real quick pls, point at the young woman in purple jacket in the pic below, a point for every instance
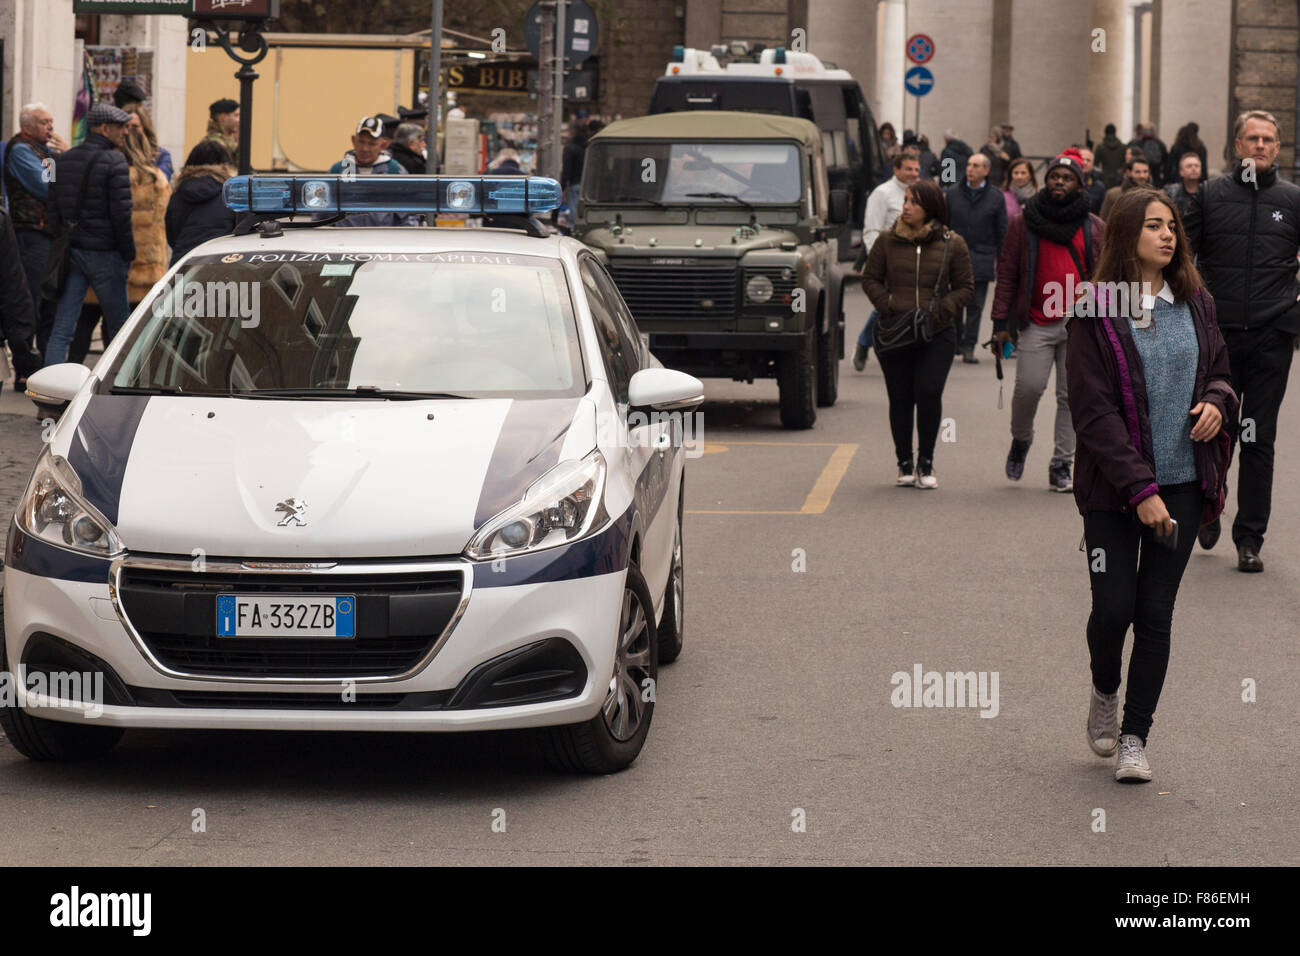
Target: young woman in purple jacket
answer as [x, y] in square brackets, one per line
[1152, 404]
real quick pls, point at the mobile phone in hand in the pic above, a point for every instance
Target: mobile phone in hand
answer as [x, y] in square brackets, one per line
[1170, 540]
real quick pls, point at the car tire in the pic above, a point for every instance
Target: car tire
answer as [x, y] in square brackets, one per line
[796, 377]
[828, 365]
[670, 624]
[611, 740]
[50, 740]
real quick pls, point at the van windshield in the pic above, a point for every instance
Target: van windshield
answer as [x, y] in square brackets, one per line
[692, 173]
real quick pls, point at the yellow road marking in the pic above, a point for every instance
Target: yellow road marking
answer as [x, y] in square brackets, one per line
[823, 489]
[828, 480]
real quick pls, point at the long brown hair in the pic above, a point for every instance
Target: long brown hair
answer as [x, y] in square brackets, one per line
[146, 123]
[1118, 261]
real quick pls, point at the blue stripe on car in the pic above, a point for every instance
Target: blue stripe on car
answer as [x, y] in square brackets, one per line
[34, 556]
[602, 553]
[101, 447]
[528, 446]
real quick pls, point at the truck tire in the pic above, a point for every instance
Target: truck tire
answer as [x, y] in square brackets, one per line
[828, 364]
[796, 377]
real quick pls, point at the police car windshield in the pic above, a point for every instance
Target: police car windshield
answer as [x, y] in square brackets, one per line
[383, 325]
[692, 173]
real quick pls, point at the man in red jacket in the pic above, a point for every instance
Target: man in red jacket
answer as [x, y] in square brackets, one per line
[1051, 247]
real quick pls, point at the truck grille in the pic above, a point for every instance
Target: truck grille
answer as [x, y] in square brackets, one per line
[782, 288]
[678, 292]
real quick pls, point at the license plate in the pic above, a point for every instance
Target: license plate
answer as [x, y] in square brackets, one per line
[286, 615]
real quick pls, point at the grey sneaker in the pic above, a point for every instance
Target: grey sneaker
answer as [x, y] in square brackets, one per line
[860, 354]
[1103, 723]
[1058, 476]
[1016, 459]
[1131, 764]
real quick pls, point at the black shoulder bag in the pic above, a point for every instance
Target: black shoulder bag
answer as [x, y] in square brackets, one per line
[915, 326]
[56, 268]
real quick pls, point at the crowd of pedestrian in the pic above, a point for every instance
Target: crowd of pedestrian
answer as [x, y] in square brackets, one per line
[1170, 317]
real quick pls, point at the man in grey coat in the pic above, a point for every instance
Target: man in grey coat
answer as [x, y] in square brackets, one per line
[977, 213]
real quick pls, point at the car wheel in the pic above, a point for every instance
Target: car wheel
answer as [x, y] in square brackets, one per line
[612, 739]
[670, 625]
[796, 377]
[39, 739]
[828, 366]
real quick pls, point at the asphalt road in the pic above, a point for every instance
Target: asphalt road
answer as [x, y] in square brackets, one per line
[781, 701]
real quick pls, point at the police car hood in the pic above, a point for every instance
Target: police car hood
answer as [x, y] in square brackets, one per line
[320, 479]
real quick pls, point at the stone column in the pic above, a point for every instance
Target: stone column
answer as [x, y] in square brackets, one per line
[962, 68]
[1195, 56]
[40, 61]
[890, 59]
[843, 32]
[1106, 90]
[1050, 59]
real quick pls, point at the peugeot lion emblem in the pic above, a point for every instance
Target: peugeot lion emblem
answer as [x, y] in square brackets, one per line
[294, 511]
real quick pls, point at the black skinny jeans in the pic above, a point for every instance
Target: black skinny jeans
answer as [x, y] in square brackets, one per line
[1137, 587]
[914, 378]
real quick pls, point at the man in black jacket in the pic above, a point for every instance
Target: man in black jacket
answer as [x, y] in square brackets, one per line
[101, 244]
[977, 213]
[1245, 230]
[17, 314]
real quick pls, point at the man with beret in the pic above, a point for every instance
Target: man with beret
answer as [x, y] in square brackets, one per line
[101, 247]
[223, 124]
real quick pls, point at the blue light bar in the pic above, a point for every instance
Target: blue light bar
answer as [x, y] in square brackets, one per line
[307, 195]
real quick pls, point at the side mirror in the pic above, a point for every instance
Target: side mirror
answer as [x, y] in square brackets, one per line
[664, 390]
[839, 211]
[56, 384]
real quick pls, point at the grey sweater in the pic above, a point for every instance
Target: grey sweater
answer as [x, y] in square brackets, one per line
[1169, 351]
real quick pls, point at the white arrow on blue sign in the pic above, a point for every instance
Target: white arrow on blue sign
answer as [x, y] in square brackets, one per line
[918, 81]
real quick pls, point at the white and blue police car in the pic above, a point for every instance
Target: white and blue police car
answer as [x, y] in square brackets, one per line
[357, 479]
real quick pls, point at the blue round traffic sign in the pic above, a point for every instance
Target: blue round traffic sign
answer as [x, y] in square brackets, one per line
[920, 48]
[918, 81]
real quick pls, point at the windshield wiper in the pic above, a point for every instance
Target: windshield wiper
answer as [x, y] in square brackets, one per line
[360, 391]
[645, 199]
[146, 390]
[732, 196]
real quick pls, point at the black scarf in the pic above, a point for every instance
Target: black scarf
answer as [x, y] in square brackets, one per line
[1057, 221]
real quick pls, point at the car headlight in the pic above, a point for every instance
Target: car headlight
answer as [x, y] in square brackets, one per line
[54, 510]
[561, 506]
[758, 289]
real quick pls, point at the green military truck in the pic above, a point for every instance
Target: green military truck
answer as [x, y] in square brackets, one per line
[720, 231]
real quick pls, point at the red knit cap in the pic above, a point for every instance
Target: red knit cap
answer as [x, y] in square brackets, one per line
[1071, 159]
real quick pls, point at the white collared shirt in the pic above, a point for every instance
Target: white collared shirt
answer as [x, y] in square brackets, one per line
[1149, 301]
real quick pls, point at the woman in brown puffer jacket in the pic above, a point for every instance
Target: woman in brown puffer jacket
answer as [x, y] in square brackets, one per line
[902, 272]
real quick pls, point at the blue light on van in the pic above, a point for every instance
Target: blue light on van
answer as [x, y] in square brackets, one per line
[679, 54]
[286, 195]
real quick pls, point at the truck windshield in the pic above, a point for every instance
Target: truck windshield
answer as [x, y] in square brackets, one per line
[658, 172]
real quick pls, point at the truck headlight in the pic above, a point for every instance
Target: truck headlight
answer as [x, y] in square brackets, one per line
[561, 506]
[54, 510]
[758, 289]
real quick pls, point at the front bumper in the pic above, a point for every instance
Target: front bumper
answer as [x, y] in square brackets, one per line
[444, 693]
